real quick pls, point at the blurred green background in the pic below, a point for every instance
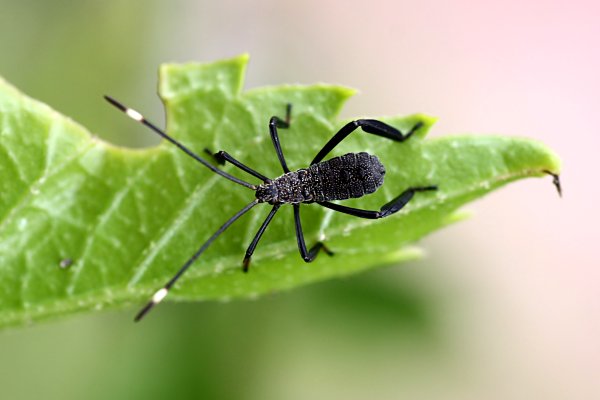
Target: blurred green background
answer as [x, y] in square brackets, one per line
[504, 306]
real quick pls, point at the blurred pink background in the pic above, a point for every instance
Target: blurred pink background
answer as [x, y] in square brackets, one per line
[519, 282]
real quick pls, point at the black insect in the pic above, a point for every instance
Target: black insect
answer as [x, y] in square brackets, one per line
[352, 175]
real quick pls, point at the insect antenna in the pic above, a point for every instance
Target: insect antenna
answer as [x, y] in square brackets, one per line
[133, 114]
[162, 292]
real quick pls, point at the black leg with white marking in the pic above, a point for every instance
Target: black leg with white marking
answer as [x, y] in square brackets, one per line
[307, 255]
[140, 118]
[275, 123]
[162, 293]
[368, 125]
[388, 209]
[261, 230]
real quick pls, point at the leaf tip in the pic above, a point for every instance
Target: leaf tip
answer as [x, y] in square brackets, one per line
[550, 164]
[226, 76]
[555, 181]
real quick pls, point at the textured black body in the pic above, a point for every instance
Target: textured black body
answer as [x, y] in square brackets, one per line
[352, 175]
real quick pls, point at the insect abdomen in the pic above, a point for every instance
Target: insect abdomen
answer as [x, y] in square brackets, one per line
[349, 176]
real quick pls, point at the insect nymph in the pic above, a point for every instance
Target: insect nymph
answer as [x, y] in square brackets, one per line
[351, 175]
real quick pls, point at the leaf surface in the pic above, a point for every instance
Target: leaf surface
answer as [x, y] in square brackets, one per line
[129, 218]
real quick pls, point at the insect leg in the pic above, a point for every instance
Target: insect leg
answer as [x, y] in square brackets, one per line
[275, 123]
[222, 156]
[261, 230]
[369, 126]
[162, 293]
[388, 209]
[307, 255]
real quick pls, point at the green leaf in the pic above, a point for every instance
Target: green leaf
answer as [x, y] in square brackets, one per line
[128, 219]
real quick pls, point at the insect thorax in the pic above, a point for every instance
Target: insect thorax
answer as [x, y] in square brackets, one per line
[349, 176]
